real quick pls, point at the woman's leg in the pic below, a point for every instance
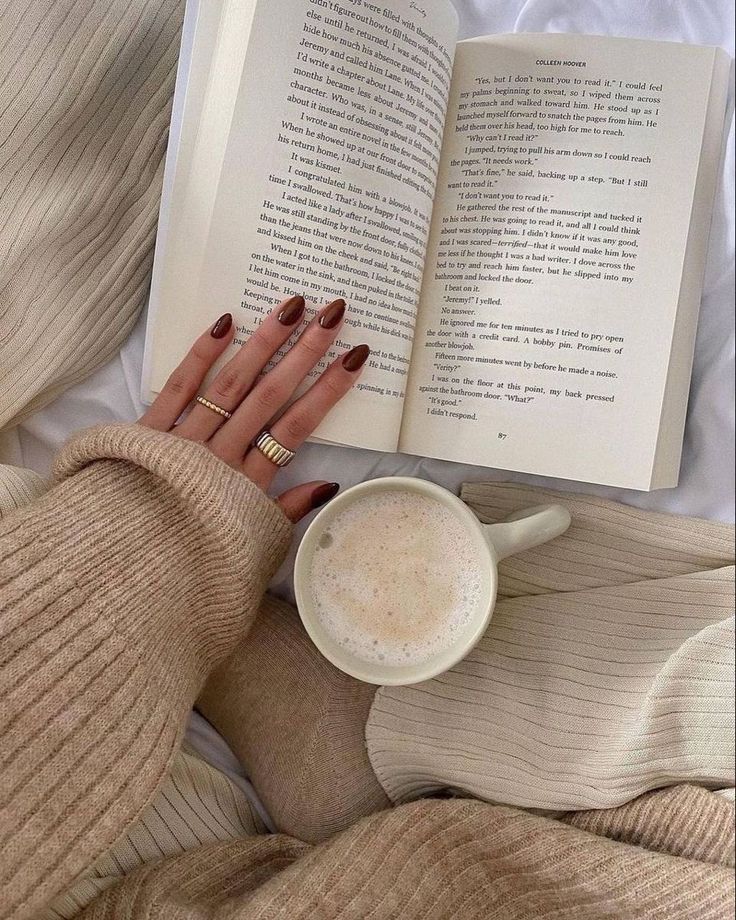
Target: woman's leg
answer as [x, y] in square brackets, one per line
[297, 724]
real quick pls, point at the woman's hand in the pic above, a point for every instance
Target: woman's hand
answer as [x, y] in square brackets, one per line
[254, 399]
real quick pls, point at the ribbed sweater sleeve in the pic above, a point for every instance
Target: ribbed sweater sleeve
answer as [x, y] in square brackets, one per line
[119, 591]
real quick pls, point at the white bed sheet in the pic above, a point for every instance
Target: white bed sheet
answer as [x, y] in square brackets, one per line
[707, 482]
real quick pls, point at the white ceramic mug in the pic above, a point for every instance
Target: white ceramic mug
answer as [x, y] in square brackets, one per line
[494, 542]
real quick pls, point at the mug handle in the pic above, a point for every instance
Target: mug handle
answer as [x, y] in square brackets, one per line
[526, 529]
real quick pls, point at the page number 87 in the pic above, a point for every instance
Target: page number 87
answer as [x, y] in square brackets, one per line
[502, 436]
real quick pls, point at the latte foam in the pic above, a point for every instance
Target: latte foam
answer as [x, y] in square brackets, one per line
[396, 578]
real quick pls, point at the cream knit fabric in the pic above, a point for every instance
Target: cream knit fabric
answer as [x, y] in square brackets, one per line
[85, 98]
[18, 487]
[85, 93]
[607, 670]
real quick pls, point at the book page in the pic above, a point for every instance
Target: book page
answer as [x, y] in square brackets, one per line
[674, 411]
[325, 189]
[555, 261]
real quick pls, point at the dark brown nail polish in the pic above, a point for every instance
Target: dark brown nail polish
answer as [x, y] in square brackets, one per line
[332, 315]
[324, 494]
[222, 326]
[292, 311]
[355, 359]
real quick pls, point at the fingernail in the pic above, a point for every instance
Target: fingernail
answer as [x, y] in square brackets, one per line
[332, 315]
[292, 311]
[222, 326]
[355, 359]
[324, 494]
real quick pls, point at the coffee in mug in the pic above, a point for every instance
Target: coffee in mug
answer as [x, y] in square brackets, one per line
[396, 579]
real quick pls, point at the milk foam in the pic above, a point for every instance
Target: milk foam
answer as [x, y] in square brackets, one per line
[396, 578]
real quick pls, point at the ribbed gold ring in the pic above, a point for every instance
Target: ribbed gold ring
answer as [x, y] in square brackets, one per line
[271, 449]
[213, 407]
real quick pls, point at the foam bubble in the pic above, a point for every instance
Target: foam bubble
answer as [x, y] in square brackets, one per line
[396, 578]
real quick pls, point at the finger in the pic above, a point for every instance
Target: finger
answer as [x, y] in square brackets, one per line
[302, 418]
[276, 388]
[298, 503]
[184, 383]
[240, 373]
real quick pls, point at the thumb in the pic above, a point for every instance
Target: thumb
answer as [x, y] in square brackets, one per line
[297, 503]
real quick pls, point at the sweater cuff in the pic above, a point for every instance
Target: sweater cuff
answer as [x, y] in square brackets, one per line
[203, 481]
[186, 544]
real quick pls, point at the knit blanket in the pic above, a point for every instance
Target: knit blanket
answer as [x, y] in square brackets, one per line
[85, 104]
[607, 669]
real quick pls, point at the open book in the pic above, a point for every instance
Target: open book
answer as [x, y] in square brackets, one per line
[519, 223]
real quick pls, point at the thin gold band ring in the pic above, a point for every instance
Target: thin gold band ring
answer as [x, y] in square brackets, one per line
[213, 407]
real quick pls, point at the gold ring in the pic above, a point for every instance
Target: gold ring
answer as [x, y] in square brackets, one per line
[214, 408]
[271, 449]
